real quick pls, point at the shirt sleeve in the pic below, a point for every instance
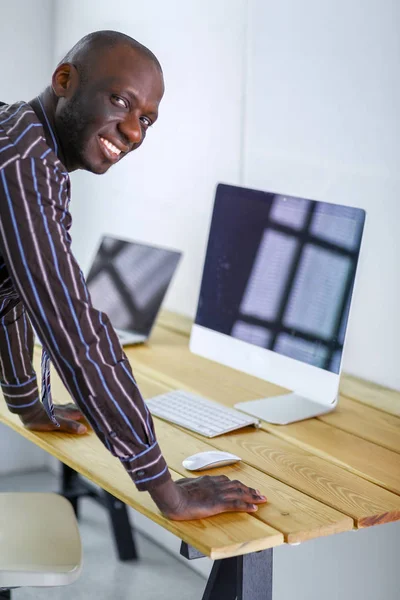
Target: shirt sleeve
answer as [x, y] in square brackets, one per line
[17, 376]
[85, 350]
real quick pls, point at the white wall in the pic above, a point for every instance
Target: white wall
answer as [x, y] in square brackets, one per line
[322, 121]
[27, 48]
[25, 65]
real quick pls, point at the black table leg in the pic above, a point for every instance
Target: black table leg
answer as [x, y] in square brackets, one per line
[70, 487]
[123, 537]
[73, 487]
[254, 576]
[221, 584]
[247, 577]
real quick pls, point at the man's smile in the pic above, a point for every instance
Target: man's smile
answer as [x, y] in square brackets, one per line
[109, 149]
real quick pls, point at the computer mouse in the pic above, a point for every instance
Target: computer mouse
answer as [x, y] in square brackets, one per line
[209, 460]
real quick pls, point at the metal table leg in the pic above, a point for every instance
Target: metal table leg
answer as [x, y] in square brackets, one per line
[122, 529]
[71, 488]
[221, 584]
[247, 577]
[254, 576]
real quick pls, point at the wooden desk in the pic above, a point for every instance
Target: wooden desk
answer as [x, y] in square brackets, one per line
[322, 476]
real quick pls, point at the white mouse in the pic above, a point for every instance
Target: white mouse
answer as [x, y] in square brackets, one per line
[209, 460]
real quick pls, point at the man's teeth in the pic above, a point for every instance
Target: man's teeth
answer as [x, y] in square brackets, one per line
[111, 146]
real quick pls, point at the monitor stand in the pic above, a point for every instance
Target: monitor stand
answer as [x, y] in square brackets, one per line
[282, 410]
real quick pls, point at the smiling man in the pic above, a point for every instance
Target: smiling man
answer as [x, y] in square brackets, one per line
[103, 98]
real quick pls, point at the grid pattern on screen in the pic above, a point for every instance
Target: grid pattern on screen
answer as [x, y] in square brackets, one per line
[310, 246]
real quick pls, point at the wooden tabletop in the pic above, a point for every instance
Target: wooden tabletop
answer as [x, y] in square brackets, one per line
[322, 476]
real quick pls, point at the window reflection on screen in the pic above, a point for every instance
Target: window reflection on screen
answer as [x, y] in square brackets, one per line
[128, 282]
[279, 273]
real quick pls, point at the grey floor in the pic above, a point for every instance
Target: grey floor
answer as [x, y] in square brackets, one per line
[157, 575]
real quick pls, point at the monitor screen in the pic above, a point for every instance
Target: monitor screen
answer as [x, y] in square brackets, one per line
[279, 273]
[128, 282]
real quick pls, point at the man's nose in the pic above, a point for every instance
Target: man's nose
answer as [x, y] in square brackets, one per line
[131, 129]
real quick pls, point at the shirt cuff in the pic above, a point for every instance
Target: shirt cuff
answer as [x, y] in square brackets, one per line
[21, 397]
[147, 469]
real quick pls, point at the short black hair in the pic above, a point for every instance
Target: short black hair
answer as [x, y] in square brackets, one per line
[86, 50]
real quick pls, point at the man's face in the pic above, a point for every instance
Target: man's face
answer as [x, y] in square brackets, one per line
[107, 116]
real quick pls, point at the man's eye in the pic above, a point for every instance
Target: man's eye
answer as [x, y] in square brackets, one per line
[146, 121]
[120, 101]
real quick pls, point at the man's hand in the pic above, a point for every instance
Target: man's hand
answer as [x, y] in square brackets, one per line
[205, 496]
[68, 415]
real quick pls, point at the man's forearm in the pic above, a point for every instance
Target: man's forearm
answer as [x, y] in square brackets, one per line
[17, 377]
[166, 496]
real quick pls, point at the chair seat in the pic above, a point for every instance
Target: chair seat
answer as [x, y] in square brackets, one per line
[39, 541]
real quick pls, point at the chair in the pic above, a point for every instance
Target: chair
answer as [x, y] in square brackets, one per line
[40, 544]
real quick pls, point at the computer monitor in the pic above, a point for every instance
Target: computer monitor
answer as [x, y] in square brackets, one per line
[276, 293]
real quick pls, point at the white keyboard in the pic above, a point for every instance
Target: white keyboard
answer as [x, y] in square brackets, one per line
[197, 413]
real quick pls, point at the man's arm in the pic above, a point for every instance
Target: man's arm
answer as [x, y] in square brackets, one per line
[18, 378]
[83, 346]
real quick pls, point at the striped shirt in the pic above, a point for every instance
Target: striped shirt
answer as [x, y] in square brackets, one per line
[41, 283]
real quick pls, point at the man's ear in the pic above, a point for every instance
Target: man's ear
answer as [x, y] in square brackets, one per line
[65, 80]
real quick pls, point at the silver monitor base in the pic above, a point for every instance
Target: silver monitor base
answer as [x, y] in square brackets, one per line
[282, 410]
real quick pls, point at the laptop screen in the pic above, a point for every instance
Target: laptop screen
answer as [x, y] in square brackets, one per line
[128, 282]
[279, 273]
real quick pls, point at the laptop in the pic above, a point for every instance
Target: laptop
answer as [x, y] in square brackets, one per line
[128, 281]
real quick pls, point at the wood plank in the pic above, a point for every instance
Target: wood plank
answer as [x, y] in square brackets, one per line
[175, 322]
[372, 394]
[296, 515]
[289, 511]
[365, 422]
[366, 503]
[217, 537]
[368, 460]
[173, 364]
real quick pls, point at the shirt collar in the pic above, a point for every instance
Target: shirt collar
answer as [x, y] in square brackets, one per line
[50, 135]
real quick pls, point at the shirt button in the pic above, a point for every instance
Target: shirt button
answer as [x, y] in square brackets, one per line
[141, 473]
[113, 434]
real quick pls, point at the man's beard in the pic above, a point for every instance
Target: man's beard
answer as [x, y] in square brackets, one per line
[72, 122]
